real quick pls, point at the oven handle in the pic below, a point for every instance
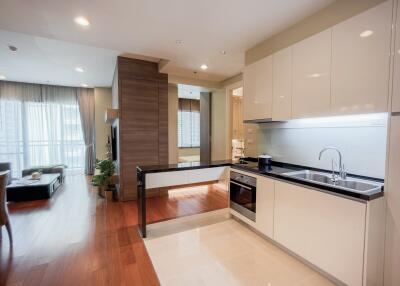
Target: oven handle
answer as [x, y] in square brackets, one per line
[246, 187]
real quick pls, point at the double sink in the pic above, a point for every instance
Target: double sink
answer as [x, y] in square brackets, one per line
[348, 184]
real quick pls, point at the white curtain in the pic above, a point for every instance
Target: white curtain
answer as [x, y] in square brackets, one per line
[40, 125]
[86, 109]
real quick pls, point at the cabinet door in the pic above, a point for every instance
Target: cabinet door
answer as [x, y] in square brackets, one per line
[312, 76]
[282, 85]
[396, 74]
[257, 91]
[326, 230]
[392, 194]
[265, 206]
[360, 62]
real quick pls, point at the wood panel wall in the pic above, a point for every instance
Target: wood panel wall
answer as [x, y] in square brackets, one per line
[142, 96]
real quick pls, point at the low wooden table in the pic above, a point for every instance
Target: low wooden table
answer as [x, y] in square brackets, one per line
[26, 189]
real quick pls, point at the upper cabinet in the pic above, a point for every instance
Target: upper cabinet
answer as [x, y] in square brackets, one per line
[342, 70]
[282, 85]
[396, 75]
[311, 76]
[257, 98]
[360, 62]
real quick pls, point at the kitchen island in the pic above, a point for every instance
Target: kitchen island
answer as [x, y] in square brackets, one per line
[159, 176]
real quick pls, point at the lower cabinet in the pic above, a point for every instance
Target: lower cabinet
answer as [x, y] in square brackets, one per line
[265, 206]
[326, 230]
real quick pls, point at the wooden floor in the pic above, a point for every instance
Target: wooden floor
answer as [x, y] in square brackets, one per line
[77, 238]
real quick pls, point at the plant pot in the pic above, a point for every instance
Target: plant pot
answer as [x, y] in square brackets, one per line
[109, 194]
[101, 191]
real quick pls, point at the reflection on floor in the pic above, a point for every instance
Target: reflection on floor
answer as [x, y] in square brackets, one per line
[226, 253]
[75, 238]
[186, 201]
[78, 238]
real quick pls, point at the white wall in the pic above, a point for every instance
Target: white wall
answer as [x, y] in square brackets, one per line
[362, 140]
[102, 101]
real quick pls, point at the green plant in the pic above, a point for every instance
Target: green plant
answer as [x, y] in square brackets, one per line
[107, 169]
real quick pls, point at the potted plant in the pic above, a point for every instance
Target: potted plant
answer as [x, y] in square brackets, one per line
[103, 180]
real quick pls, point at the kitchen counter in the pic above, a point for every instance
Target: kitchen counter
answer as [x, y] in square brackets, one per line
[156, 176]
[278, 169]
[183, 166]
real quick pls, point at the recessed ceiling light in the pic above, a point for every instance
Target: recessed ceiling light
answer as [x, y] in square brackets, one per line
[84, 85]
[79, 69]
[204, 67]
[82, 21]
[2, 77]
[366, 33]
[223, 53]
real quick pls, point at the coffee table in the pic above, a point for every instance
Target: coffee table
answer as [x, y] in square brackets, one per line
[26, 189]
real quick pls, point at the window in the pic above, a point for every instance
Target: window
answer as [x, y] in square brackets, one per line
[189, 123]
[38, 129]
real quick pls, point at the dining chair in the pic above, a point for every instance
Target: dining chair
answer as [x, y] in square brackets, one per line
[4, 219]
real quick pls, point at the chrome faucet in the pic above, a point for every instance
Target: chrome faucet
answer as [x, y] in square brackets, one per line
[342, 172]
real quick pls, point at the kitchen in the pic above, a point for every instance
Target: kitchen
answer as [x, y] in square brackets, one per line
[320, 130]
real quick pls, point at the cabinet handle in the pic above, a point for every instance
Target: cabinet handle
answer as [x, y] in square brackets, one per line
[246, 187]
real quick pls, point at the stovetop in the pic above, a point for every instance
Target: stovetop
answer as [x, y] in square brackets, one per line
[251, 165]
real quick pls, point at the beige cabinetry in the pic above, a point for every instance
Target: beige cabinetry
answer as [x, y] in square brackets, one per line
[257, 98]
[312, 76]
[265, 206]
[392, 190]
[396, 74]
[360, 62]
[326, 230]
[282, 85]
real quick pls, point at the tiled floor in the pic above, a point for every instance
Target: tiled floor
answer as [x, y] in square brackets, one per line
[226, 253]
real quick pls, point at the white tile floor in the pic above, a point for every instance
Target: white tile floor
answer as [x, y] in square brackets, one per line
[226, 253]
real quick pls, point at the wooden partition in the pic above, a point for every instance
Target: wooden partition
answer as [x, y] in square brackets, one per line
[140, 93]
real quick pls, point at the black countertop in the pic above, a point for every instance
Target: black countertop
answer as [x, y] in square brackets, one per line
[183, 166]
[276, 171]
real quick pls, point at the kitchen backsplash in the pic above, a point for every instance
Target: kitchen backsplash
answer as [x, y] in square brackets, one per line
[361, 139]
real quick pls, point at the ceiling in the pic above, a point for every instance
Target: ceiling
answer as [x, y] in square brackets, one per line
[151, 28]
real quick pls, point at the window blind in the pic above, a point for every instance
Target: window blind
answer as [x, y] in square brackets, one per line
[189, 123]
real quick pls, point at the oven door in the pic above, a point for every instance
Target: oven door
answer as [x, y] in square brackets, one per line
[243, 199]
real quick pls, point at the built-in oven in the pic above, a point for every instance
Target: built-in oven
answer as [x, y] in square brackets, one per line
[243, 194]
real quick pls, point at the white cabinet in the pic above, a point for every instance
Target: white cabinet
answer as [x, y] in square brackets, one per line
[392, 193]
[396, 74]
[282, 85]
[326, 230]
[312, 76]
[257, 92]
[360, 62]
[265, 206]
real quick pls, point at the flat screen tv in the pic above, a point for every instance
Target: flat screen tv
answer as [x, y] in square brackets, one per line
[114, 143]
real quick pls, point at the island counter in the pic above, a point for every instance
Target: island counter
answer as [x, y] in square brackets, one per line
[158, 176]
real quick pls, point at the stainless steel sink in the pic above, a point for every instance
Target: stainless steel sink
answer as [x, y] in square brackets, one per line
[311, 176]
[349, 184]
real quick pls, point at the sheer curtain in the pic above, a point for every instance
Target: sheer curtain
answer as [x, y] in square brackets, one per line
[40, 125]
